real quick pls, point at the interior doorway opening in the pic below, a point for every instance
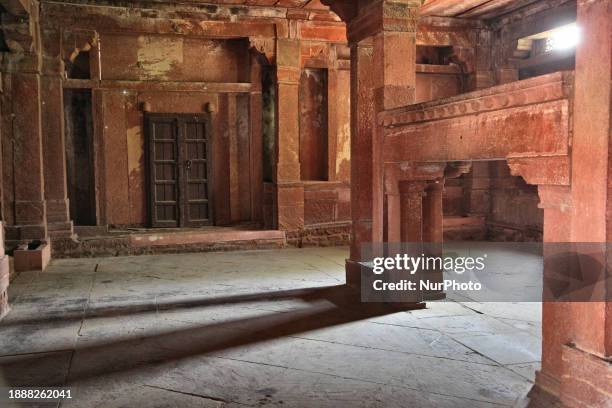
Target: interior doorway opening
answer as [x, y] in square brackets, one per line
[490, 204]
[80, 168]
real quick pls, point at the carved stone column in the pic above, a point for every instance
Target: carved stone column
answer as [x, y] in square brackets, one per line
[256, 142]
[22, 127]
[290, 190]
[556, 330]
[433, 213]
[54, 148]
[381, 33]
[411, 213]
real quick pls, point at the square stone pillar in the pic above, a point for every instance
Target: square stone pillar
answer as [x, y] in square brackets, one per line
[53, 136]
[382, 37]
[256, 142]
[411, 214]
[30, 217]
[290, 190]
[22, 146]
[54, 158]
[577, 336]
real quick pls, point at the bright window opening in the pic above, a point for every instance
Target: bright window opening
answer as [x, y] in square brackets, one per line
[563, 38]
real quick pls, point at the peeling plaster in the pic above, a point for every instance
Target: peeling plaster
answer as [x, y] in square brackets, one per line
[158, 56]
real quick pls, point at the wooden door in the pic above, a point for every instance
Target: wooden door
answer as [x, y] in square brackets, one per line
[178, 148]
[194, 181]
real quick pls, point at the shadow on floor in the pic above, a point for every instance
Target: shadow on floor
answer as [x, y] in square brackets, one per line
[77, 311]
[329, 306]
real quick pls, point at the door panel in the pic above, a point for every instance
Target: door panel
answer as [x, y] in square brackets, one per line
[195, 148]
[178, 170]
[163, 162]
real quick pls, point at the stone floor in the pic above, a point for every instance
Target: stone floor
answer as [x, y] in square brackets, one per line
[259, 328]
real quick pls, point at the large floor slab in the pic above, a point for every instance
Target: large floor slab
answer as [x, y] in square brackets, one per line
[255, 328]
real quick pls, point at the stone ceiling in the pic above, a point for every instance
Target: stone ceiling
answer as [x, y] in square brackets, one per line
[276, 3]
[476, 9]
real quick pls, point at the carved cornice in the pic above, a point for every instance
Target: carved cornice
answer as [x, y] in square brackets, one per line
[531, 91]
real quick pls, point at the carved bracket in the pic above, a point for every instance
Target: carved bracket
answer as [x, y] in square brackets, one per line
[547, 170]
[556, 197]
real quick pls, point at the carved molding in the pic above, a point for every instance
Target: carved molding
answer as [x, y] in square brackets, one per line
[536, 90]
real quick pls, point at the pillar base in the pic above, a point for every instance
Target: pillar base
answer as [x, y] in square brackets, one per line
[353, 274]
[540, 398]
[36, 259]
[585, 382]
[60, 230]
[586, 379]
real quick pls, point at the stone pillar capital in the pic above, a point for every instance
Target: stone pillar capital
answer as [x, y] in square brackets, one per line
[412, 189]
[383, 16]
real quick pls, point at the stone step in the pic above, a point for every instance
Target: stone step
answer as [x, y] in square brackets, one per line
[172, 241]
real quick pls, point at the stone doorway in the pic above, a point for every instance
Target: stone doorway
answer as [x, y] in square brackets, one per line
[178, 147]
[80, 167]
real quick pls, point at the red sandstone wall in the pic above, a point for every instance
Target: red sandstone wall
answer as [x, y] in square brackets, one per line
[436, 86]
[150, 60]
[120, 119]
[141, 57]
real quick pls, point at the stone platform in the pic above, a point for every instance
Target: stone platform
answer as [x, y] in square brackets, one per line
[96, 242]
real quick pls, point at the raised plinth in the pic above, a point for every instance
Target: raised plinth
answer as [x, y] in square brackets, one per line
[32, 257]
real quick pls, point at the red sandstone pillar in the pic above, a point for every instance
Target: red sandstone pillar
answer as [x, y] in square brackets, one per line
[556, 329]
[255, 107]
[29, 203]
[394, 224]
[587, 373]
[23, 174]
[433, 231]
[433, 214]
[290, 191]
[412, 193]
[383, 76]
[54, 149]
[577, 337]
